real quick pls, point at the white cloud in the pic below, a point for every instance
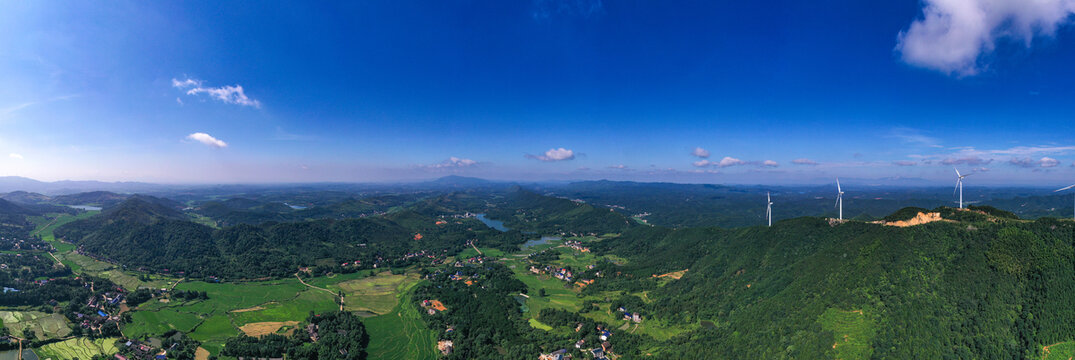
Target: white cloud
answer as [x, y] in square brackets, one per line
[804, 162]
[231, 94]
[730, 161]
[904, 163]
[453, 162]
[966, 160]
[1045, 162]
[952, 35]
[15, 156]
[554, 155]
[700, 152]
[207, 140]
[1022, 156]
[618, 167]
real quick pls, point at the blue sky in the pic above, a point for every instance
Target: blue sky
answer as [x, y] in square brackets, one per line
[775, 93]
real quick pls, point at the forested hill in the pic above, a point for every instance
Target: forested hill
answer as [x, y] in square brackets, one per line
[973, 286]
[143, 233]
[525, 210]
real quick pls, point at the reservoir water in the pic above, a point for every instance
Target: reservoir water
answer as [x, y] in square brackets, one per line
[85, 207]
[499, 225]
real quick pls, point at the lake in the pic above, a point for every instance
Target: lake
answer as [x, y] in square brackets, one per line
[85, 207]
[296, 207]
[499, 225]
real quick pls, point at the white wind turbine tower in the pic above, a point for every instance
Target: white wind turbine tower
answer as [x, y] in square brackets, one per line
[769, 209]
[1062, 189]
[959, 186]
[840, 198]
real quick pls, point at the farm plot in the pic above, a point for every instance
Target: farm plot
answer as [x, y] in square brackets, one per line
[80, 348]
[44, 326]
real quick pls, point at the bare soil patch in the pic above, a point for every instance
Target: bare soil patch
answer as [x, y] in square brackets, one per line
[265, 328]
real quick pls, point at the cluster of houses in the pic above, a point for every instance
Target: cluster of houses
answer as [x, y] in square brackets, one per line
[101, 304]
[433, 307]
[629, 316]
[561, 273]
[22, 244]
[475, 260]
[311, 330]
[576, 245]
[445, 347]
[466, 215]
[137, 349]
[555, 355]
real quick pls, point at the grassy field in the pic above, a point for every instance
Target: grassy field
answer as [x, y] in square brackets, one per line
[127, 279]
[470, 252]
[1061, 351]
[80, 348]
[44, 326]
[853, 331]
[539, 325]
[377, 294]
[46, 224]
[401, 334]
[215, 320]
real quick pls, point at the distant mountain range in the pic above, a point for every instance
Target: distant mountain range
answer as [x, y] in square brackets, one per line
[18, 183]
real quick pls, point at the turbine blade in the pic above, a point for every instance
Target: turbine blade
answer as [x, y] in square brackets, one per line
[1065, 188]
[960, 181]
[838, 185]
[838, 197]
[957, 172]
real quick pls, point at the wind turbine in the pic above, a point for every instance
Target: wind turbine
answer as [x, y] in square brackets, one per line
[959, 186]
[1062, 189]
[769, 209]
[840, 198]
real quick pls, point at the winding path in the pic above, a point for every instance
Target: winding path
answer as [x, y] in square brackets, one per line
[322, 289]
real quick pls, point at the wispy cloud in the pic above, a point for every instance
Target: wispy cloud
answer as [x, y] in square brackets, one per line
[700, 152]
[208, 140]
[619, 167]
[729, 161]
[230, 94]
[15, 156]
[966, 160]
[452, 163]
[804, 161]
[952, 35]
[15, 108]
[1044, 162]
[904, 163]
[560, 154]
[914, 137]
[1019, 156]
